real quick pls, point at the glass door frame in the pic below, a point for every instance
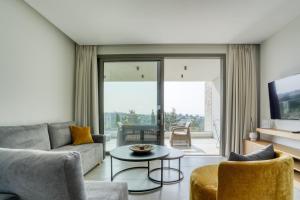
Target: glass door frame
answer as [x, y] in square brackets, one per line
[160, 81]
[160, 58]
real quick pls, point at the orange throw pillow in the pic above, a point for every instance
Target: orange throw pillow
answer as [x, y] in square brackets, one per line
[81, 135]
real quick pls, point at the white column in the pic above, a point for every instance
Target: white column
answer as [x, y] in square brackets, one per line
[208, 107]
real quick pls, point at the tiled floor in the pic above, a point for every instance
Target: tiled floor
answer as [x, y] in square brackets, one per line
[200, 146]
[137, 178]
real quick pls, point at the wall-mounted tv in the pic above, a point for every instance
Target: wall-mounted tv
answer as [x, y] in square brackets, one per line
[284, 95]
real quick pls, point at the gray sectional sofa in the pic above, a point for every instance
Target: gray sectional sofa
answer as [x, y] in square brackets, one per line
[52, 137]
[47, 175]
[38, 162]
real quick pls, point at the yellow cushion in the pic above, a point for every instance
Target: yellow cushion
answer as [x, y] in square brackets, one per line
[81, 135]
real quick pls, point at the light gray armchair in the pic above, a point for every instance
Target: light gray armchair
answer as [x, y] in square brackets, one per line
[44, 175]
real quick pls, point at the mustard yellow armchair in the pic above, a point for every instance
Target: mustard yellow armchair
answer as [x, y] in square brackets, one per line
[245, 180]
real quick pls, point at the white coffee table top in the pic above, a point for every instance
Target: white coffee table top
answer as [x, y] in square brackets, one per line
[124, 153]
[174, 154]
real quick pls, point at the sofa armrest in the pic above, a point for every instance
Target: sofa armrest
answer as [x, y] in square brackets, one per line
[35, 175]
[179, 128]
[268, 179]
[100, 139]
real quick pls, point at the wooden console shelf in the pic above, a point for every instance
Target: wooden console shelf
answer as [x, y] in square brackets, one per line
[255, 145]
[279, 133]
[297, 165]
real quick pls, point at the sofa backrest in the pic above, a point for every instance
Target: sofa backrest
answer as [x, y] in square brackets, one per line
[25, 137]
[60, 134]
[41, 175]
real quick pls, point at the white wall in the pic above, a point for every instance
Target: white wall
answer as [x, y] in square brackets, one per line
[280, 57]
[36, 67]
[162, 49]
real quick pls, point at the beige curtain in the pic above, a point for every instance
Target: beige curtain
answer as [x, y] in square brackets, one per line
[241, 95]
[86, 88]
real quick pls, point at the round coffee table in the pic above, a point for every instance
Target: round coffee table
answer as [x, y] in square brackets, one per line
[173, 155]
[123, 153]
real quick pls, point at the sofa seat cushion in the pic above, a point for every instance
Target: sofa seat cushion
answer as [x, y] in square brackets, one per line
[91, 154]
[60, 134]
[25, 137]
[8, 197]
[98, 190]
[204, 183]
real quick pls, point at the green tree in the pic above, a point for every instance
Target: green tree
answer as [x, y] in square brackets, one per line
[132, 118]
[117, 119]
[173, 116]
[170, 119]
[152, 118]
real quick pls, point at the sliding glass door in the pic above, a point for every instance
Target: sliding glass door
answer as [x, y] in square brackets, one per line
[131, 102]
[192, 105]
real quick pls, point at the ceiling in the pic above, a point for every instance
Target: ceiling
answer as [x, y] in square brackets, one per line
[130, 71]
[111, 22]
[174, 70]
[196, 69]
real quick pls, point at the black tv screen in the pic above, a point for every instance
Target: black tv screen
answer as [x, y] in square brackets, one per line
[284, 95]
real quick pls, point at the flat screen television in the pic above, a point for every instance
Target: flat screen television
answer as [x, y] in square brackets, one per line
[284, 95]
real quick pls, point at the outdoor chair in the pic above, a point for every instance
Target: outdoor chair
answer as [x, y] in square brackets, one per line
[181, 133]
[133, 134]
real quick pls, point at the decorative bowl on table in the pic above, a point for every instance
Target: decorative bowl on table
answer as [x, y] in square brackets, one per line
[141, 148]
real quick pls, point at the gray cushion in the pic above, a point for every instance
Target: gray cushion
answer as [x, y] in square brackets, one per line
[91, 154]
[262, 154]
[8, 197]
[60, 134]
[97, 190]
[41, 175]
[25, 137]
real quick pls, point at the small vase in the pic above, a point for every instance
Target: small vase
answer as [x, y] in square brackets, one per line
[253, 136]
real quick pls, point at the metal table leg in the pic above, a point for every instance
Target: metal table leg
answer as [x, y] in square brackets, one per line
[111, 169]
[179, 167]
[148, 168]
[162, 168]
[160, 183]
[161, 173]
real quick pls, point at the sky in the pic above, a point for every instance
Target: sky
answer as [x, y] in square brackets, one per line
[185, 97]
